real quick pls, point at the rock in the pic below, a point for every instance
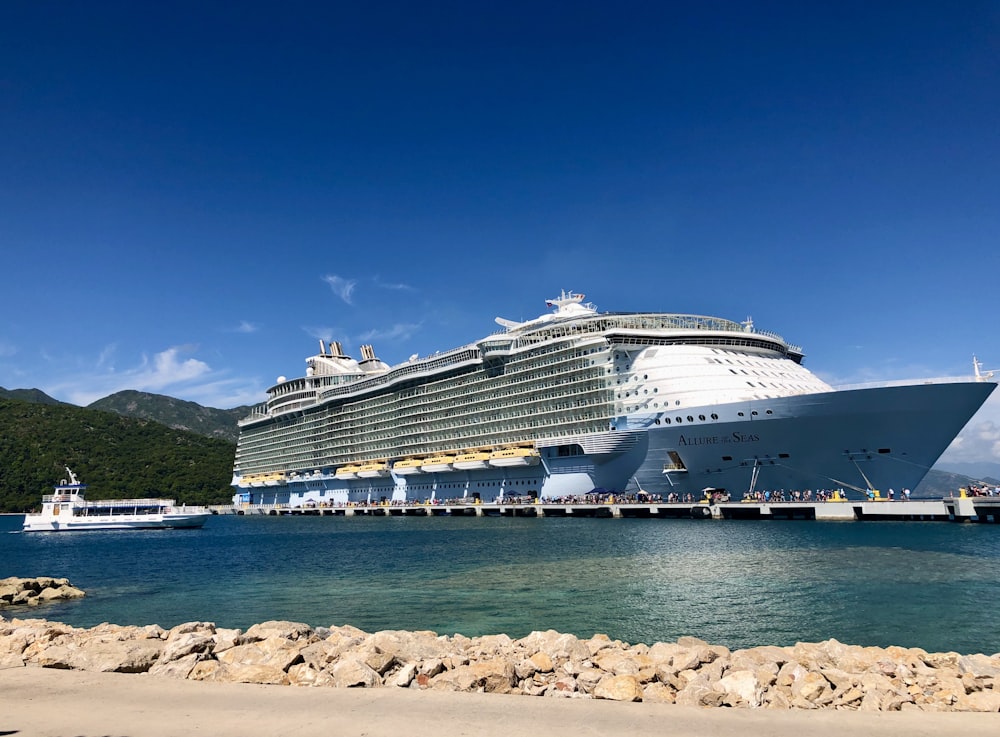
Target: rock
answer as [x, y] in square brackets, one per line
[278, 629]
[187, 643]
[35, 591]
[980, 666]
[273, 652]
[811, 687]
[490, 676]
[542, 662]
[305, 675]
[354, 673]
[698, 692]
[979, 701]
[618, 688]
[405, 675]
[103, 655]
[741, 688]
[658, 693]
[411, 646]
[691, 672]
[245, 673]
[176, 668]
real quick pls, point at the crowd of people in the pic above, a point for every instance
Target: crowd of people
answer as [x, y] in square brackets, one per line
[983, 490]
[714, 496]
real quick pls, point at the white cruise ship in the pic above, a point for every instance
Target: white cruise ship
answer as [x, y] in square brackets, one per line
[577, 400]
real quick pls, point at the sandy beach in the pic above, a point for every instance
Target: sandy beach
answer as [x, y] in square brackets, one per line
[46, 702]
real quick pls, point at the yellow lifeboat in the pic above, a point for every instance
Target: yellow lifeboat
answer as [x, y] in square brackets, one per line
[438, 464]
[507, 457]
[472, 461]
[373, 470]
[407, 466]
[347, 472]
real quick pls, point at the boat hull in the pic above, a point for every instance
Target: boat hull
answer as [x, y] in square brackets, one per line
[886, 437]
[65, 523]
[608, 459]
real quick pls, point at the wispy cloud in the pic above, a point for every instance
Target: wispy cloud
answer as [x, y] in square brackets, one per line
[173, 371]
[399, 331]
[247, 327]
[104, 360]
[323, 332]
[391, 285]
[980, 440]
[343, 288]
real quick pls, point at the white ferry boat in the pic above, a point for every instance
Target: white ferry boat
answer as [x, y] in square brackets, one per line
[67, 509]
[576, 400]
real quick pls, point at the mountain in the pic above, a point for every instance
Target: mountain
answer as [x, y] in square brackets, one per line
[28, 395]
[939, 483]
[175, 413]
[982, 470]
[119, 457]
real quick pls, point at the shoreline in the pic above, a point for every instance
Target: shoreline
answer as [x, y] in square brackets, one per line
[49, 702]
[815, 677]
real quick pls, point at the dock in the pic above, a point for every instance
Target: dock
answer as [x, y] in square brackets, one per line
[952, 509]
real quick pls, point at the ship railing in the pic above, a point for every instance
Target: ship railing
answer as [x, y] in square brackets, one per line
[904, 382]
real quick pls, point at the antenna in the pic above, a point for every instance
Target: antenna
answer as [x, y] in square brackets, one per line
[977, 366]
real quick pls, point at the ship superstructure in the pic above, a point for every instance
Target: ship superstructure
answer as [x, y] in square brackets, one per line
[576, 400]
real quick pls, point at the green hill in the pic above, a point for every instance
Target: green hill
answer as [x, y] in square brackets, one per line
[175, 413]
[118, 457]
[28, 395]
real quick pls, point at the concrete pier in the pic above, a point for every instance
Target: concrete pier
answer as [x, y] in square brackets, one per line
[954, 509]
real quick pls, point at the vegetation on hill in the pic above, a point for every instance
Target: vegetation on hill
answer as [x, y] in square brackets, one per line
[28, 395]
[118, 457]
[176, 413]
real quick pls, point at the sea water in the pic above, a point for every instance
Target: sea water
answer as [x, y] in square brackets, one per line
[736, 583]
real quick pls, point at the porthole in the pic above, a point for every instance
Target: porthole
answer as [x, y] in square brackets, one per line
[666, 420]
[715, 416]
[690, 418]
[679, 420]
[701, 417]
[740, 414]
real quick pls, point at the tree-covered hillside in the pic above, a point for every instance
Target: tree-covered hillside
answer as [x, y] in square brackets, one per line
[118, 457]
[176, 413]
[28, 395]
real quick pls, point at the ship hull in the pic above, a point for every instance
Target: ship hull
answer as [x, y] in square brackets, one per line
[881, 438]
[40, 523]
[613, 459]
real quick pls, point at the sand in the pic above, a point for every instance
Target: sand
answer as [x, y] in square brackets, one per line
[44, 702]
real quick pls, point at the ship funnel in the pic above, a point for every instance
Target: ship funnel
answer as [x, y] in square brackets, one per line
[322, 347]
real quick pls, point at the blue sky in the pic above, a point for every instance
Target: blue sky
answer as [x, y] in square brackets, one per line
[191, 194]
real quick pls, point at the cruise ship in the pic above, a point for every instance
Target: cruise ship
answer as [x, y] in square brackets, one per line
[578, 400]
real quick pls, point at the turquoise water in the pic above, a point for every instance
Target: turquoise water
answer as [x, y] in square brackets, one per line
[738, 583]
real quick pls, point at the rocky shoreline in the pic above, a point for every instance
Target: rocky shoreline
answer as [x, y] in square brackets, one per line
[16, 591]
[824, 675]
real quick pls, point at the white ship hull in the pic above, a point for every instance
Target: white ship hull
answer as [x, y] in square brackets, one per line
[40, 523]
[881, 438]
